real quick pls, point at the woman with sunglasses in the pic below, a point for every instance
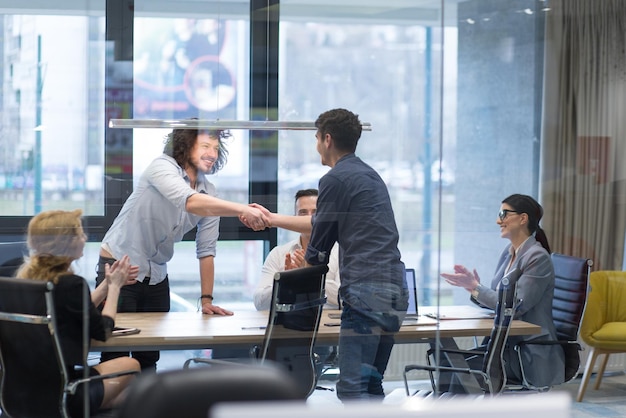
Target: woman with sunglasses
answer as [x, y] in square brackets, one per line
[528, 251]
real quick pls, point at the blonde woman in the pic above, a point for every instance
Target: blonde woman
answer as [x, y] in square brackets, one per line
[55, 240]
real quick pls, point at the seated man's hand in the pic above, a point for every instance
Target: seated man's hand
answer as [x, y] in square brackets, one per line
[295, 260]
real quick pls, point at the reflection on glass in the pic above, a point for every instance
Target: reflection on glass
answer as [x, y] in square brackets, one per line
[237, 267]
[187, 67]
[237, 271]
[389, 71]
[46, 162]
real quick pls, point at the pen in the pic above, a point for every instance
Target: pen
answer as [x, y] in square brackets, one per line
[252, 327]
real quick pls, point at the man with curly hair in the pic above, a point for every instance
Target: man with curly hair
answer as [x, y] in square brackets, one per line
[173, 197]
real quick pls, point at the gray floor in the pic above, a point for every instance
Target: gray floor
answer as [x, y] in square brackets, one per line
[608, 401]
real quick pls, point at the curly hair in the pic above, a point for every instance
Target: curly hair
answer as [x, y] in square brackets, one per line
[55, 240]
[180, 142]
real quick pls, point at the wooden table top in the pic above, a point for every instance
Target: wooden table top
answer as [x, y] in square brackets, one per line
[193, 330]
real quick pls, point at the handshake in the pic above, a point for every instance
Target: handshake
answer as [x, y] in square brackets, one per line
[256, 217]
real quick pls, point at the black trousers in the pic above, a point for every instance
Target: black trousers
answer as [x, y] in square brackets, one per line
[139, 297]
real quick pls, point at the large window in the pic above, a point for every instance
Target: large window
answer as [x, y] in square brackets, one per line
[52, 135]
[194, 63]
[403, 69]
[469, 101]
[447, 91]
[454, 91]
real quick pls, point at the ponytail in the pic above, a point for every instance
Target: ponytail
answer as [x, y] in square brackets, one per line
[540, 236]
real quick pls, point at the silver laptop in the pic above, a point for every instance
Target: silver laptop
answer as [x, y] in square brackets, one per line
[411, 284]
[411, 312]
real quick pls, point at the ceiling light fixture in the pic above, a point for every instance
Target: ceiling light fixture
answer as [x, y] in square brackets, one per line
[252, 125]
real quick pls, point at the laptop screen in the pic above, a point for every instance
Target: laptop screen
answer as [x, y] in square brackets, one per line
[412, 286]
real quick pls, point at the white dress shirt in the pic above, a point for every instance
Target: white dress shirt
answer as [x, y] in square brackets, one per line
[275, 262]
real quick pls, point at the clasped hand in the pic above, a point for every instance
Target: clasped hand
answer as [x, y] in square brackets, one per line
[257, 217]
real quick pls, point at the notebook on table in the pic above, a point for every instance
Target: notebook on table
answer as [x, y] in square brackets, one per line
[461, 312]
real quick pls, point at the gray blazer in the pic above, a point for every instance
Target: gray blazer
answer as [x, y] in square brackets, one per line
[543, 365]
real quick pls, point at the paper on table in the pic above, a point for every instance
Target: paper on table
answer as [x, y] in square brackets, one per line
[421, 320]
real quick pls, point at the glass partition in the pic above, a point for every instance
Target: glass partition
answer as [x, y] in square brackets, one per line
[470, 101]
[453, 94]
[385, 63]
[436, 82]
[194, 63]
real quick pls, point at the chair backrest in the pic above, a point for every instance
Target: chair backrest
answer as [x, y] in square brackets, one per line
[571, 282]
[493, 363]
[297, 299]
[606, 303]
[191, 393]
[33, 374]
[11, 257]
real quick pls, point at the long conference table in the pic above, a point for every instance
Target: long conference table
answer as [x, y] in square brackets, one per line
[194, 330]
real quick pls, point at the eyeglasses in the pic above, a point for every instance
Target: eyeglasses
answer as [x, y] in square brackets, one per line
[504, 212]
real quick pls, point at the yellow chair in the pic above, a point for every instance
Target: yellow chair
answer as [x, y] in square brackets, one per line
[603, 327]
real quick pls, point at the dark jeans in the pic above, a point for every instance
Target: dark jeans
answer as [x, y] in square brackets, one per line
[139, 297]
[364, 350]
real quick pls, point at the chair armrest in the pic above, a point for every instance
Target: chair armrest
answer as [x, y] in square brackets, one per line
[254, 355]
[572, 359]
[71, 386]
[215, 362]
[432, 369]
[411, 367]
[561, 343]
[458, 351]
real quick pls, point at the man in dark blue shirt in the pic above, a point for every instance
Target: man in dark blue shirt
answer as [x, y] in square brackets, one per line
[354, 209]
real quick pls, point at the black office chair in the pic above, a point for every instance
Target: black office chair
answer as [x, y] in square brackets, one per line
[191, 393]
[36, 384]
[570, 295]
[492, 376]
[11, 257]
[298, 297]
